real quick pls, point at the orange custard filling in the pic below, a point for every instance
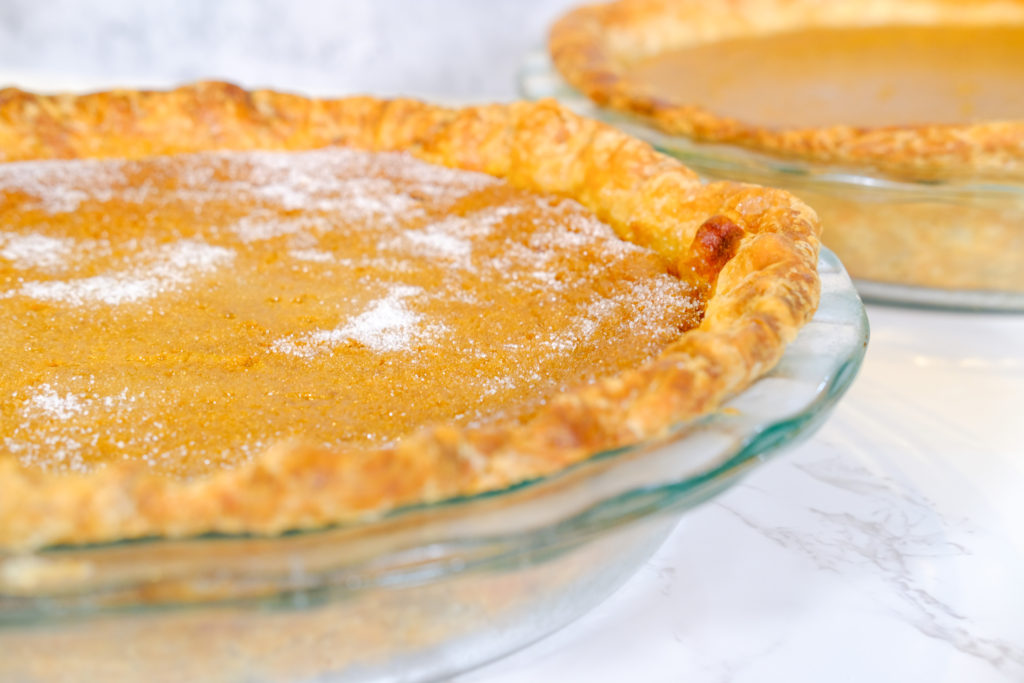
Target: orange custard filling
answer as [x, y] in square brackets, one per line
[861, 76]
[191, 311]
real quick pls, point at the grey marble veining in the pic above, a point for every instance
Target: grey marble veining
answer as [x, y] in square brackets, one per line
[446, 48]
[886, 549]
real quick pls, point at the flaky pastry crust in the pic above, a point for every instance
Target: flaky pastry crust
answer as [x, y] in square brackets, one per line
[592, 46]
[765, 243]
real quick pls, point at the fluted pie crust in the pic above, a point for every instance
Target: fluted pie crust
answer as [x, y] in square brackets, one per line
[594, 46]
[753, 250]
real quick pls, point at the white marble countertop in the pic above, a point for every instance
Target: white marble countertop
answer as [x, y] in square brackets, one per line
[889, 547]
[886, 548]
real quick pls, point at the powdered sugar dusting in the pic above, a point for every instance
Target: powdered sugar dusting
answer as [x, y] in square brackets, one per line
[450, 238]
[313, 255]
[264, 225]
[387, 325]
[61, 187]
[437, 243]
[352, 184]
[349, 295]
[35, 251]
[56, 427]
[164, 269]
[46, 401]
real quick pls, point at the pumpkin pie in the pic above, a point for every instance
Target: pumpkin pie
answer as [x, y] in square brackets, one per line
[901, 123]
[252, 312]
[917, 89]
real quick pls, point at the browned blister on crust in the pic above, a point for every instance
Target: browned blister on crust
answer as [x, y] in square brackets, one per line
[763, 292]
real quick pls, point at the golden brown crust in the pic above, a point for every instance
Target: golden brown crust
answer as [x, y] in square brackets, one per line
[763, 295]
[593, 45]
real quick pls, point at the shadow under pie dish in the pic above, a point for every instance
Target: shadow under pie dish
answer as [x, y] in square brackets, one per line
[900, 123]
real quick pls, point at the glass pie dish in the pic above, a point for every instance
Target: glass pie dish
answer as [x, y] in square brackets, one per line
[423, 592]
[956, 243]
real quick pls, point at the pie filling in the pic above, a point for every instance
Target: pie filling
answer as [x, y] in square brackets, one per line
[191, 311]
[868, 76]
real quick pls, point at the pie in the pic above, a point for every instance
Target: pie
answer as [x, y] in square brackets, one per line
[917, 105]
[231, 311]
[919, 89]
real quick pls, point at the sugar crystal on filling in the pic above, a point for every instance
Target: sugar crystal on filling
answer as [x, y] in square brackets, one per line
[160, 270]
[190, 311]
[386, 325]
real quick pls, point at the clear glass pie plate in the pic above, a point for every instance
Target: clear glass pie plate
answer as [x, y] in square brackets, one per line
[951, 244]
[421, 593]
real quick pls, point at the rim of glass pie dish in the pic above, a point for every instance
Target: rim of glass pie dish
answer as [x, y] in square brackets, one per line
[538, 79]
[490, 531]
